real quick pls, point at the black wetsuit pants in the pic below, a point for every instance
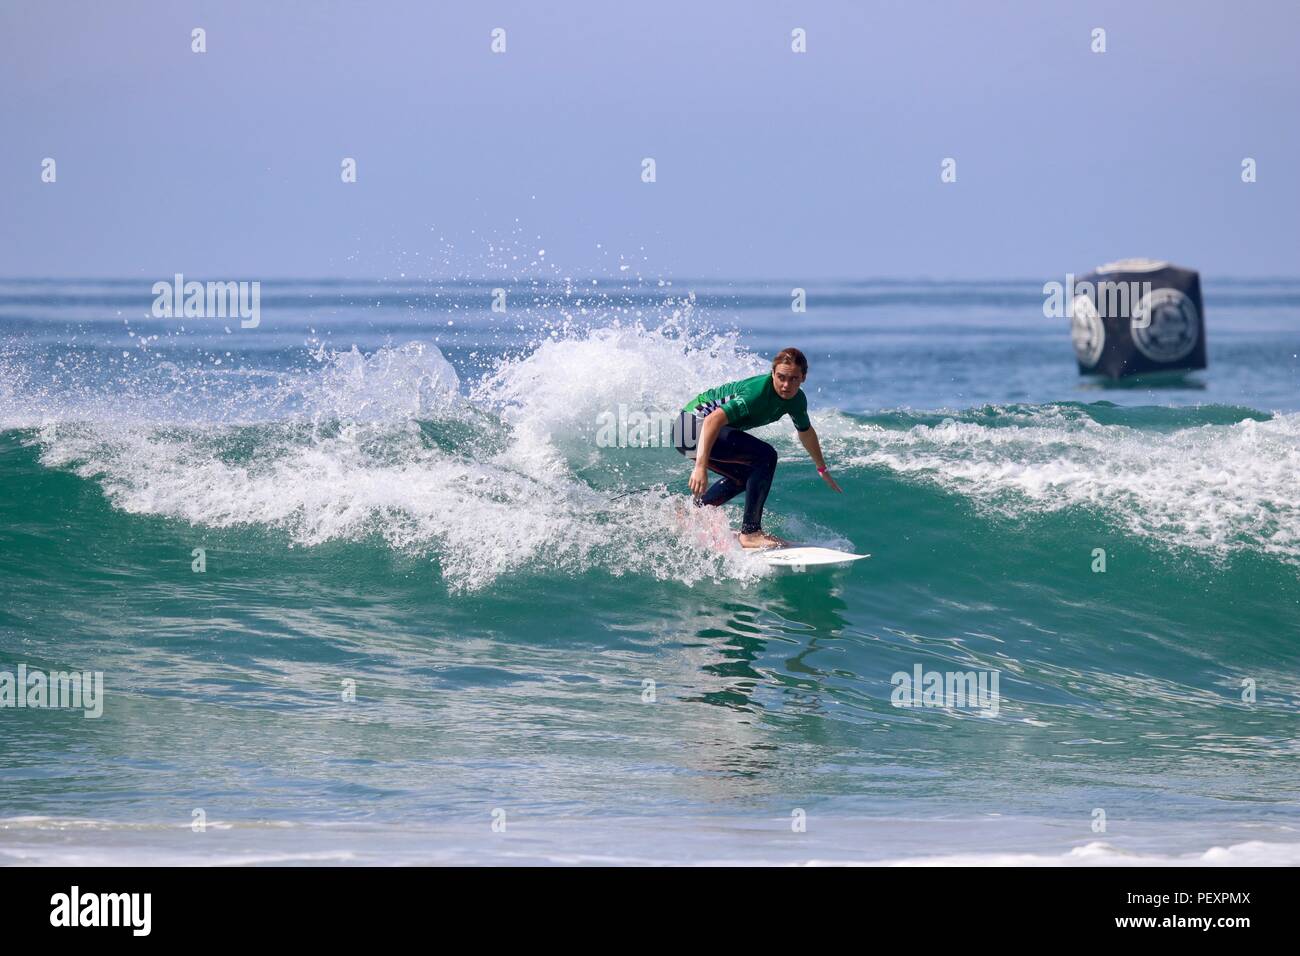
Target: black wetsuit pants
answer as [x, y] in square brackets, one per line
[745, 463]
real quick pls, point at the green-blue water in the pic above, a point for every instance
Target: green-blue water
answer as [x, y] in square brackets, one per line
[429, 520]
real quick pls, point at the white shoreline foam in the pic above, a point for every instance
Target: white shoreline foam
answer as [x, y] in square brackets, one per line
[655, 841]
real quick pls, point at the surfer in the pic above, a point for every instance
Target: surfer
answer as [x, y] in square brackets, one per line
[712, 430]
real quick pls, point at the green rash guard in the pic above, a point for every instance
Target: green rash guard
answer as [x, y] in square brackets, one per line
[750, 403]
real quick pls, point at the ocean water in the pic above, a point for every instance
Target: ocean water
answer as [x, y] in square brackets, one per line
[441, 619]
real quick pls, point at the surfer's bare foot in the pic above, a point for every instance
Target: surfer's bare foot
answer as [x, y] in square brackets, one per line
[761, 539]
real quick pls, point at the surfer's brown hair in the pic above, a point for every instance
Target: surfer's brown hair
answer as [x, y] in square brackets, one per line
[791, 357]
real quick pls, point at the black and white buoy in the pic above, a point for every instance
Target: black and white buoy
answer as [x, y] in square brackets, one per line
[1138, 317]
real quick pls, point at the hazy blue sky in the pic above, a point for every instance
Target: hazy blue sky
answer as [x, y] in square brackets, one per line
[770, 164]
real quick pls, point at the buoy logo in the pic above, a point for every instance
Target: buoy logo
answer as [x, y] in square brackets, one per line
[1087, 331]
[1165, 325]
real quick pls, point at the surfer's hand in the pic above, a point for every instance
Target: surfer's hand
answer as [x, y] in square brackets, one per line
[826, 476]
[699, 482]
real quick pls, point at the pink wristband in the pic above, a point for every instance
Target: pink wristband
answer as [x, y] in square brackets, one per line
[821, 470]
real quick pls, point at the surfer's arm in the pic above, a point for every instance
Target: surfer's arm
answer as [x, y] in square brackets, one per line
[708, 435]
[814, 448]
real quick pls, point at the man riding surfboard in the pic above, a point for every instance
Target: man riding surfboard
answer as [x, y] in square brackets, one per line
[712, 430]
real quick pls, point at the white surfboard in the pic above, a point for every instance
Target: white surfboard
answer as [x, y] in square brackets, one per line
[801, 556]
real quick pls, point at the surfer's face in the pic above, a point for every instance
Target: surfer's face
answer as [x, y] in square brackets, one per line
[786, 379]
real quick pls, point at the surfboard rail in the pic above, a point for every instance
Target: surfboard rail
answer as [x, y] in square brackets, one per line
[801, 556]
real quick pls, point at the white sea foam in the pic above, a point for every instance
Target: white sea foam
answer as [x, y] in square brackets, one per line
[554, 396]
[354, 461]
[1099, 853]
[1216, 488]
[410, 381]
